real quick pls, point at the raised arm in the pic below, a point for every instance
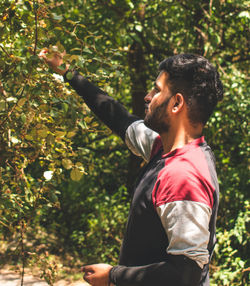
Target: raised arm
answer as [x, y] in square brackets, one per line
[110, 111]
[129, 127]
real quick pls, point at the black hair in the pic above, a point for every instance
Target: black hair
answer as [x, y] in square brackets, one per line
[197, 80]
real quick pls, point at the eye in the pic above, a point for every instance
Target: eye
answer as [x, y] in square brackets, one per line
[156, 89]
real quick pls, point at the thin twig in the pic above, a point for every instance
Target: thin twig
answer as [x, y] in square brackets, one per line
[22, 249]
[210, 7]
[4, 224]
[204, 36]
[7, 163]
[4, 50]
[36, 32]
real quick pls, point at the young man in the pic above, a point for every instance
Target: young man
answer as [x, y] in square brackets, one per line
[170, 233]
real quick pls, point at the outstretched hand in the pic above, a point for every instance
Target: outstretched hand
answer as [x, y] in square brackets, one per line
[97, 274]
[54, 60]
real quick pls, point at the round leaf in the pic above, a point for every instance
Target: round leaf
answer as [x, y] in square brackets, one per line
[76, 175]
[67, 163]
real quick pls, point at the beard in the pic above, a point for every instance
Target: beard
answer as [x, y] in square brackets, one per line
[157, 119]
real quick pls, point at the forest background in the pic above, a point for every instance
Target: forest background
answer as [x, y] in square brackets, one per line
[65, 179]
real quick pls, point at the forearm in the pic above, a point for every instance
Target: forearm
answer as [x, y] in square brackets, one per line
[176, 271]
[111, 112]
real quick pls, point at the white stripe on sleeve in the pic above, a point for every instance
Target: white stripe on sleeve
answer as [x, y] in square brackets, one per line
[140, 139]
[187, 226]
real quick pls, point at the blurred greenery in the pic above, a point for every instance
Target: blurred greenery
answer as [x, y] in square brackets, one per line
[62, 171]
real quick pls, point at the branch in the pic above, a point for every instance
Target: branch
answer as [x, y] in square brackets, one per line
[36, 32]
[4, 50]
[22, 251]
[203, 35]
[4, 224]
[210, 7]
[239, 60]
[235, 59]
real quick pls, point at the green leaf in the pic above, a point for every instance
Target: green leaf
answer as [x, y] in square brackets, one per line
[21, 102]
[57, 17]
[42, 132]
[244, 14]
[3, 105]
[29, 137]
[69, 75]
[87, 50]
[60, 134]
[65, 107]
[53, 197]
[60, 47]
[67, 163]
[50, 139]
[76, 174]
[71, 134]
[138, 28]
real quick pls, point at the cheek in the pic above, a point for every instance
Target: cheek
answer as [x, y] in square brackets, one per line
[155, 99]
[156, 96]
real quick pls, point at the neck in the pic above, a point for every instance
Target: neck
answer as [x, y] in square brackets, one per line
[177, 139]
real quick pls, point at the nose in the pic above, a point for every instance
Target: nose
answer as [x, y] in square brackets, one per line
[148, 97]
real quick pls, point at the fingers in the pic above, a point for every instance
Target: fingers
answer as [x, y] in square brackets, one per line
[88, 269]
[43, 53]
[54, 59]
[87, 277]
[97, 274]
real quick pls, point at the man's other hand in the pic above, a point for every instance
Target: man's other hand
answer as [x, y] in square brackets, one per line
[54, 60]
[97, 274]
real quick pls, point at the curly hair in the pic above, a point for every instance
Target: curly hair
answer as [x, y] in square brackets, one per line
[197, 80]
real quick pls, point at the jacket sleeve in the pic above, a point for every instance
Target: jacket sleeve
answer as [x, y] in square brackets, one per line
[110, 111]
[178, 270]
[140, 139]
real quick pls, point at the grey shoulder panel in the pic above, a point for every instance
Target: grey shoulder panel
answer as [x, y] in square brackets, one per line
[140, 139]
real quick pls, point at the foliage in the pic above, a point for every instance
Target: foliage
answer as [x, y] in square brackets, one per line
[231, 252]
[60, 167]
[105, 226]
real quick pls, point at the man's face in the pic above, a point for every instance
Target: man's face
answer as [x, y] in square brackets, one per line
[156, 103]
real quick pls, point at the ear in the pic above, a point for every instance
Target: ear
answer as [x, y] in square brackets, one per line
[178, 103]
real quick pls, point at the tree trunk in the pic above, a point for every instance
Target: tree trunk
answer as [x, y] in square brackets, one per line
[138, 77]
[199, 18]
